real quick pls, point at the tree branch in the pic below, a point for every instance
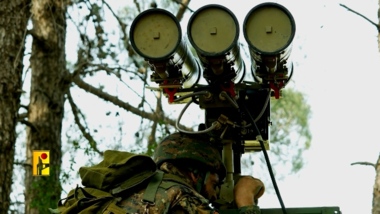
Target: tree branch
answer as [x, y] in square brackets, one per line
[124, 105]
[27, 123]
[152, 136]
[22, 116]
[123, 26]
[184, 5]
[361, 15]
[87, 135]
[364, 163]
[24, 107]
[24, 164]
[137, 5]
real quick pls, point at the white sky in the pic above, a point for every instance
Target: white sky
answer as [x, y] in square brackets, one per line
[337, 66]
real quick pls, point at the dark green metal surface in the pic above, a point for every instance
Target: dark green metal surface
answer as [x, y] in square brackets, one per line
[303, 210]
[293, 210]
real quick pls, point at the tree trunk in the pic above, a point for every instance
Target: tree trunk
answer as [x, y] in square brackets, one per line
[376, 189]
[46, 107]
[14, 16]
[378, 35]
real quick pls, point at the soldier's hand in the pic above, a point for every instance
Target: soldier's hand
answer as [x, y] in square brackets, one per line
[247, 190]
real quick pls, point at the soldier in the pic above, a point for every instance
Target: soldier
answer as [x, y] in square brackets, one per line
[193, 171]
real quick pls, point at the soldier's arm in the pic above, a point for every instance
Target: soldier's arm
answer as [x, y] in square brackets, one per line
[246, 193]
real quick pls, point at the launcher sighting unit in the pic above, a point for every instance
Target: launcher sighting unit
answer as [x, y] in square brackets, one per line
[213, 75]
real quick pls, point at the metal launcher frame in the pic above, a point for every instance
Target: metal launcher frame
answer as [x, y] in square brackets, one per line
[236, 102]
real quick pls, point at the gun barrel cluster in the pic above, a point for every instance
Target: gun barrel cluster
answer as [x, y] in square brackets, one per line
[213, 32]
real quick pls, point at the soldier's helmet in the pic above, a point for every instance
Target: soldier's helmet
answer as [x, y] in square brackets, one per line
[194, 148]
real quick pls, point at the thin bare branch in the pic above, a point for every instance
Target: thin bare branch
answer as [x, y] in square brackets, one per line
[86, 134]
[106, 68]
[101, 67]
[361, 15]
[116, 101]
[24, 107]
[123, 26]
[152, 137]
[27, 123]
[22, 116]
[364, 163]
[137, 6]
[184, 5]
[24, 164]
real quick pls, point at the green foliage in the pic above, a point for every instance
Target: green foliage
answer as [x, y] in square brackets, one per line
[151, 148]
[66, 175]
[290, 132]
[290, 137]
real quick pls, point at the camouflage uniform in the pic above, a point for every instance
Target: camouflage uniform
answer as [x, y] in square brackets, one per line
[175, 193]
